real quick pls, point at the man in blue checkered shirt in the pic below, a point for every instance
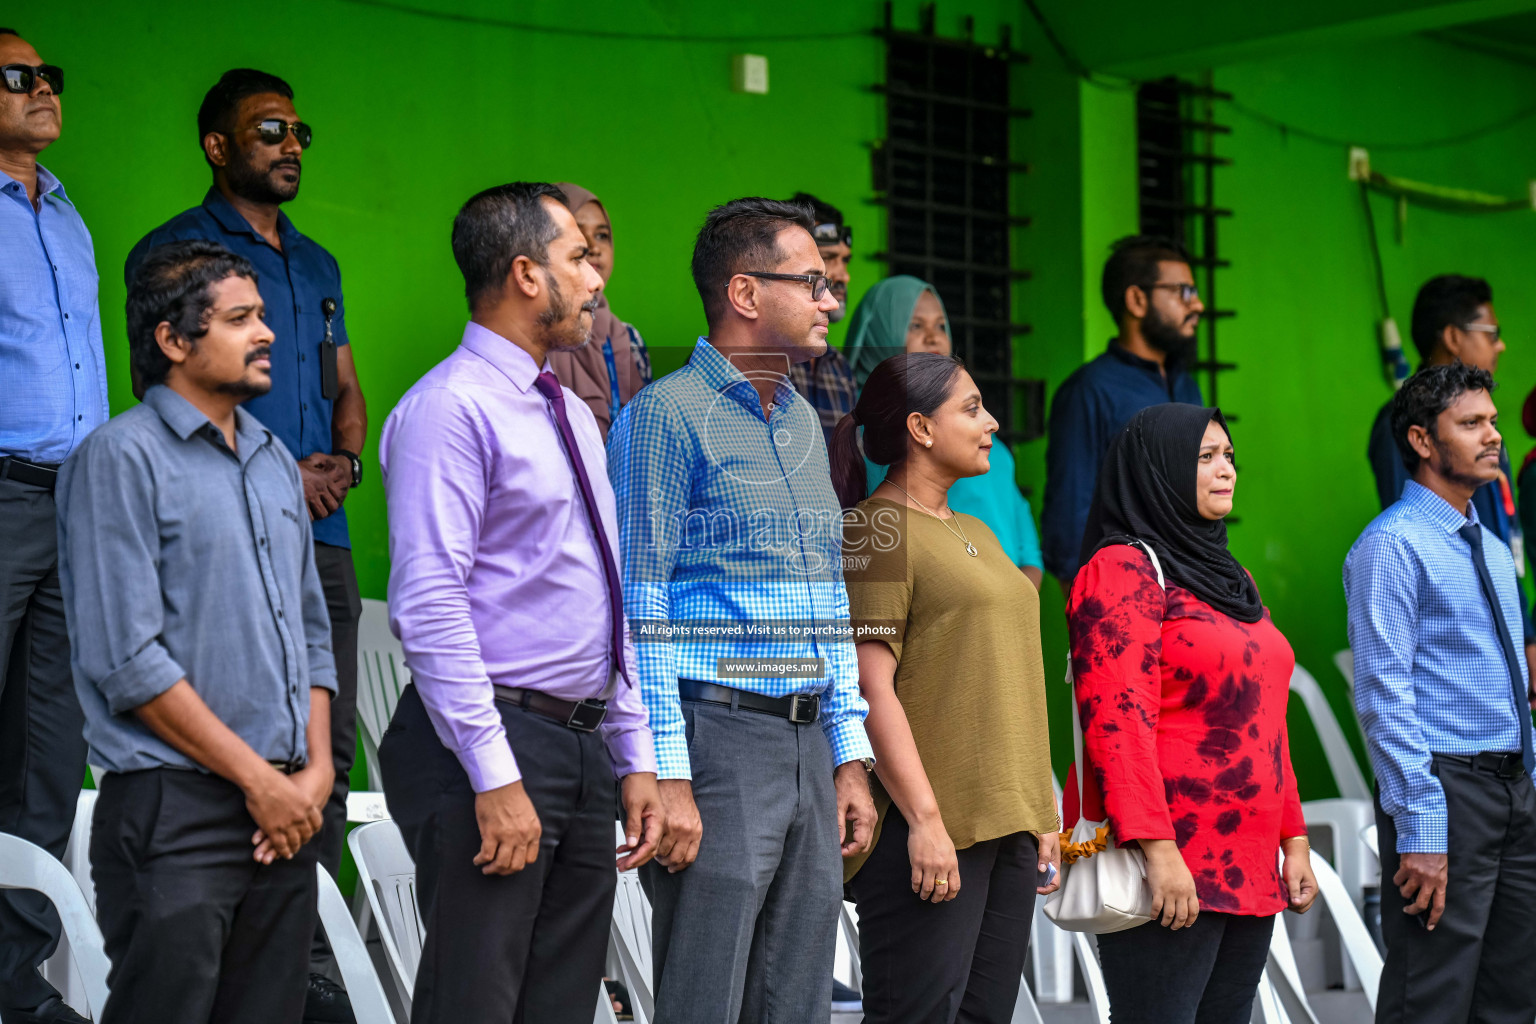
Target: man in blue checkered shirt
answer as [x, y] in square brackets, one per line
[1441, 691]
[731, 542]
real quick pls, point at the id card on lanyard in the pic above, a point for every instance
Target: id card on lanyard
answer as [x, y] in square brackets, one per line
[613, 380]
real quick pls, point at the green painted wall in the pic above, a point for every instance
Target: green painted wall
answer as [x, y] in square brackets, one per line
[1310, 379]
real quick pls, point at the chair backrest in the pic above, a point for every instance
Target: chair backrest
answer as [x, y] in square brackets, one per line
[25, 866]
[388, 877]
[629, 934]
[60, 970]
[381, 675]
[369, 1003]
[1353, 936]
[1341, 759]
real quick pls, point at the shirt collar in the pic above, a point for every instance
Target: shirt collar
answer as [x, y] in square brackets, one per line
[1129, 358]
[233, 221]
[185, 419]
[514, 362]
[46, 184]
[721, 375]
[1439, 511]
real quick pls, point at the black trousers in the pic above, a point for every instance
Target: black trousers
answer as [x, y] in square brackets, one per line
[1207, 973]
[937, 963]
[1476, 964]
[506, 948]
[345, 606]
[198, 932]
[42, 749]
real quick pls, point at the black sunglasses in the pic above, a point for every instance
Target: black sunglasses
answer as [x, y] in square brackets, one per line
[818, 282]
[273, 130]
[832, 234]
[20, 77]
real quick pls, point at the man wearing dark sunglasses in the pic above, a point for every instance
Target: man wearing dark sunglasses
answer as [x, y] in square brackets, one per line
[827, 381]
[1149, 289]
[55, 393]
[254, 143]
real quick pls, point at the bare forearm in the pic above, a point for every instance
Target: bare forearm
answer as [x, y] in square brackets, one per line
[897, 761]
[318, 735]
[181, 718]
[349, 414]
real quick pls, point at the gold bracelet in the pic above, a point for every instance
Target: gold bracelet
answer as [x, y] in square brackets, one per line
[1304, 839]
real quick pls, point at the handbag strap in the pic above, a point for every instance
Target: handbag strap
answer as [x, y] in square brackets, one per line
[1077, 725]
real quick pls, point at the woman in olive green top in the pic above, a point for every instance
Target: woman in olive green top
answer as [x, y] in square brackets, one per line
[948, 637]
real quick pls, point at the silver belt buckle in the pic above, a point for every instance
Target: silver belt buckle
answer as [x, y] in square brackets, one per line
[804, 708]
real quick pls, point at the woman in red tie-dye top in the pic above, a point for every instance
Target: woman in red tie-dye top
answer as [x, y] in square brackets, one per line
[1182, 694]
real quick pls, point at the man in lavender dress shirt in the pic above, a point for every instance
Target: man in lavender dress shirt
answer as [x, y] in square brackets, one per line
[500, 762]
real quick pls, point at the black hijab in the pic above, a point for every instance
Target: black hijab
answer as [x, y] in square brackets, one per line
[1147, 492]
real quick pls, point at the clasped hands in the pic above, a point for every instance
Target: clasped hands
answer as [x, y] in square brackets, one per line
[287, 810]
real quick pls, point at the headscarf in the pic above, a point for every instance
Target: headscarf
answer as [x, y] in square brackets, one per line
[585, 370]
[878, 329]
[1147, 493]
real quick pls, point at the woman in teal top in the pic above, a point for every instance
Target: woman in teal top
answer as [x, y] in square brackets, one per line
[905, 314]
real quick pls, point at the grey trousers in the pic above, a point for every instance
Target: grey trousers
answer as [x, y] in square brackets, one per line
[42, 748]
[748, 932]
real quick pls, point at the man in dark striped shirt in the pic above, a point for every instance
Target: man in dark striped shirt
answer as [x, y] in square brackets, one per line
[827, 380]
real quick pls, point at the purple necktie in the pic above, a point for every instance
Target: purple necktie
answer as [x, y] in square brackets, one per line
[549, 387]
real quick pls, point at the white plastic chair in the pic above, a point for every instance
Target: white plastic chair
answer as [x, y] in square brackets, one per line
[60, 970]
[1344, 661]
[629, 941]
[846, 962]
[369, 1002]
[1050, 948]
[386, 873]
[24, 865]
[1087, 952]
[1360, 952]
[381, 675]
[1341, 758]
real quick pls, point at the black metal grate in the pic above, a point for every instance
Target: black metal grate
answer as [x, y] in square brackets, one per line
[1175, 129]
[943, 173]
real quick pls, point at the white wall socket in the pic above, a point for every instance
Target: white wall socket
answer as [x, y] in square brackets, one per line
[749, 73]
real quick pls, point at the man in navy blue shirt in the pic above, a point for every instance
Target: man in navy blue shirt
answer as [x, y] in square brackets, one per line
[55, 384]
[1150, 292]
[254, 143]
[1454, 322]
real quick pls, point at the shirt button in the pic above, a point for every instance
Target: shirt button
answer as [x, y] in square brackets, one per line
[262, 542]
[77, 366]
[303, 358]
[79, 418]
[66, 316]
[279, 613]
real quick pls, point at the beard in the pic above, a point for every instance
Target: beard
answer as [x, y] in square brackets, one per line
[842, 306]
[264, 187]
[563, 332]
[1458, 474]
[1165, 336]
[245, 387]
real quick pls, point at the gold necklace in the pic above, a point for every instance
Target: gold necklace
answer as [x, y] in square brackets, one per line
[970, 548]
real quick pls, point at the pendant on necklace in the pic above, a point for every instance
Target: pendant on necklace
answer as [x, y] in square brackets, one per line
[970, 549]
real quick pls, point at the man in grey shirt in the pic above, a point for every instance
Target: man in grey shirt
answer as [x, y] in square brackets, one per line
[201, 652]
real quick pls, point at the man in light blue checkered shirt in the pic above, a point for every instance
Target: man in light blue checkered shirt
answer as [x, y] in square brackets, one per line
[1441, 691]
[731, 542]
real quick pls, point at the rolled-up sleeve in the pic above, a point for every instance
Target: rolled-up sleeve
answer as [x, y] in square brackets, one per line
[435, 483]
[109, 553]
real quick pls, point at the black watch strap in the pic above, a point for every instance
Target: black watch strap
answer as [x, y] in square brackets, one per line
[357, 464]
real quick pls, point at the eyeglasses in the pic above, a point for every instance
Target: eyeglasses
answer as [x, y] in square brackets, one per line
[1187, 292]
[20, 77]
[1489, 329]
[818, 282]
[273, 130]
[832, 234]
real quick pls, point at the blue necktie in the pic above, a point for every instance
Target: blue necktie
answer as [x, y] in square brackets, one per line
[1473, 535]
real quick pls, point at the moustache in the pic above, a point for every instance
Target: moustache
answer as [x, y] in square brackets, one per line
[265, 352]
[590, 307]
[286, 162]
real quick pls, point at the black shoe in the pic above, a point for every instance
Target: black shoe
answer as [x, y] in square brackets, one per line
[52, 1011]
[325, 1003]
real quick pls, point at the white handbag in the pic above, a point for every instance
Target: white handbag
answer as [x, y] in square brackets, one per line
[1105, 889]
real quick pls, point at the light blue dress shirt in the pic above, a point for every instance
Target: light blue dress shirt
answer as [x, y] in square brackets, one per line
[728, 524]
[51, 362]
[1430, 675]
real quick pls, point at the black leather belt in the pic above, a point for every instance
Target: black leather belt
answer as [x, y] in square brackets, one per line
[799, 708]
[287, 767]
[38, 474]
[581, 715]
[1504, 765]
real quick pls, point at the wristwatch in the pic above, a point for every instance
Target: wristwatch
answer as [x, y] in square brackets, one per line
[868, 763]
[357, 464]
